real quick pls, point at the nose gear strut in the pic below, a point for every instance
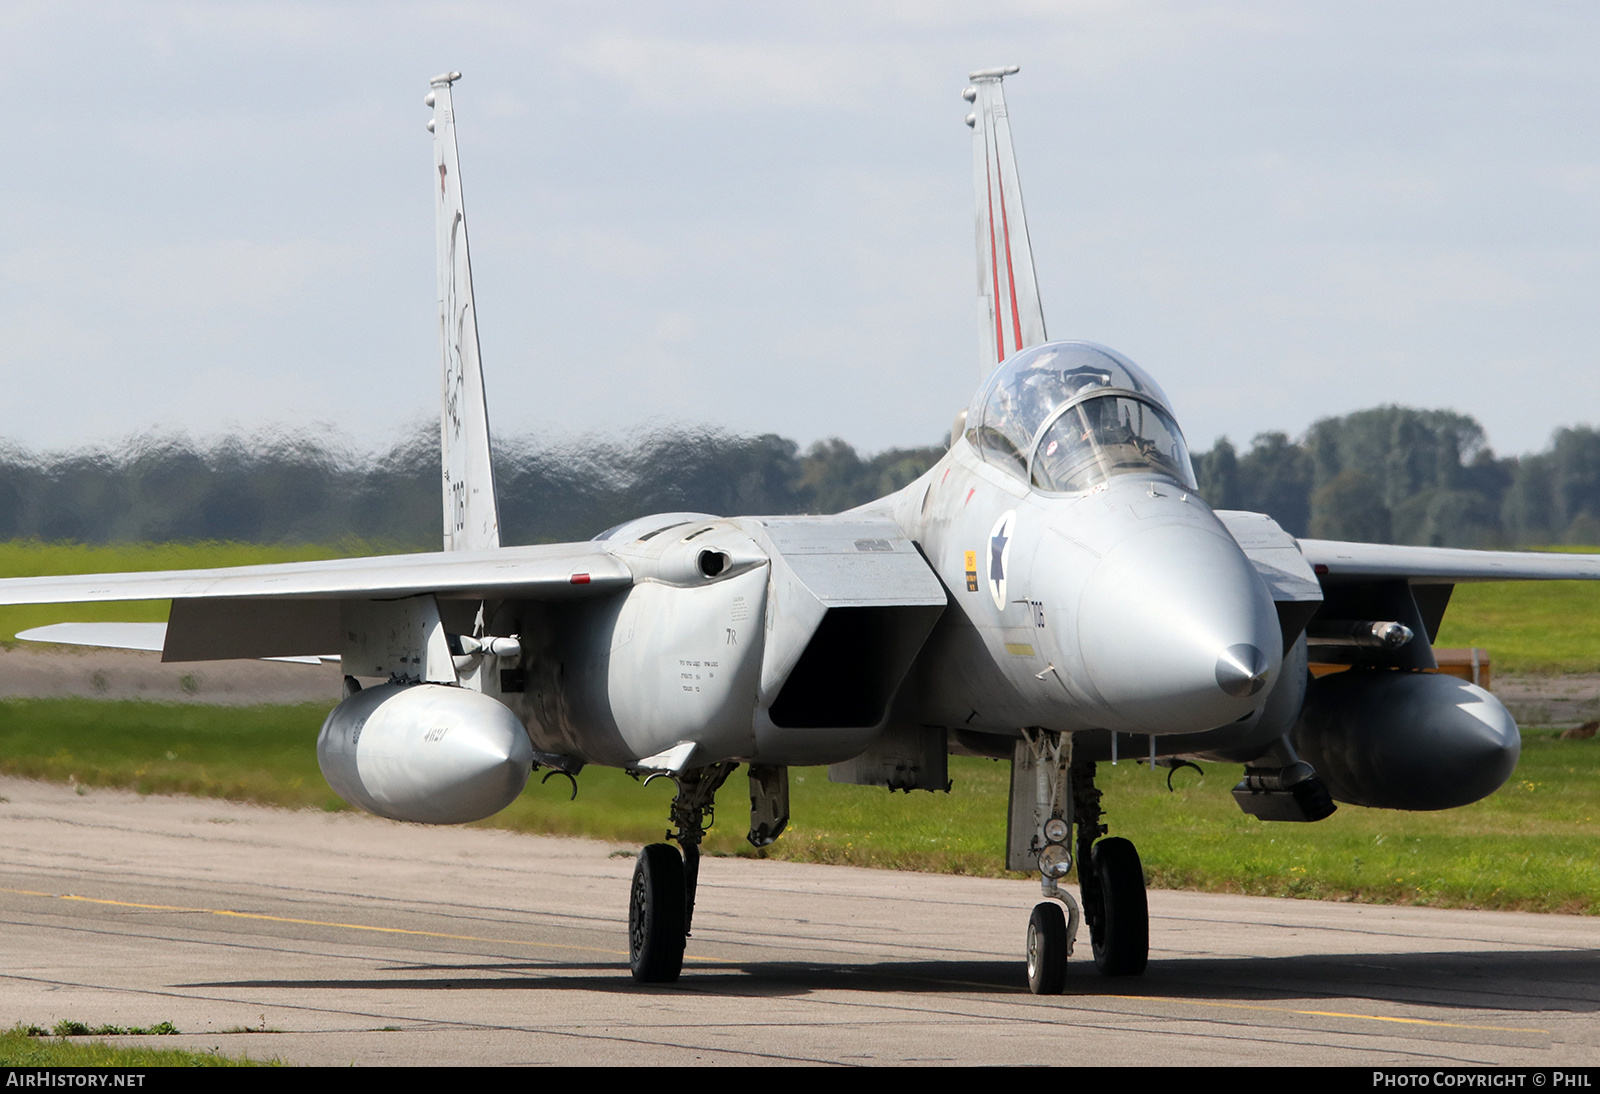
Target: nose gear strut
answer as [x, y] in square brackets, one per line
[1053, 926]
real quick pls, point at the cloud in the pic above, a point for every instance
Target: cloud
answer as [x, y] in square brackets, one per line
[684, 76]
[201, 284]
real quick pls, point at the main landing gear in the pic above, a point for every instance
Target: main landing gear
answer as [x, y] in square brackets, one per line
[1110, 876]
[658, 915]
[661, 907]
[661, 904]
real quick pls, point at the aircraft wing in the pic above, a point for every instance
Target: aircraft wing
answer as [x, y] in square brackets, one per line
[116, 636]
[1352, 563]
[1380, 581]
[296, 609]
[543, 572]
[151, 637]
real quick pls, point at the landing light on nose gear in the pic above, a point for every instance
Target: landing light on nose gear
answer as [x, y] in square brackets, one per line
[1112, 886]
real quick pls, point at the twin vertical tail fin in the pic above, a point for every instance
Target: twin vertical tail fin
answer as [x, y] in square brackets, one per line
[471, 516]
[1009, 313]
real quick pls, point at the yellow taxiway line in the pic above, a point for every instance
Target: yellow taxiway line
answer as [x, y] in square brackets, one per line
[1327, 1013]
[325, 923]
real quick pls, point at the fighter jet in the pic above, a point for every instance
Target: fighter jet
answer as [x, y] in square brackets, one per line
[1053, 592]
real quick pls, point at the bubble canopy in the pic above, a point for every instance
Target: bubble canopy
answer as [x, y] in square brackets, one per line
[1066, 416]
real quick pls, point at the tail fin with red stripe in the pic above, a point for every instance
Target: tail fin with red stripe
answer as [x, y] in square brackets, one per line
[1009, 313]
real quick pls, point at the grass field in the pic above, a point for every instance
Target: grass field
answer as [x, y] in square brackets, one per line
[1535, 627]
[21, 1047]
[1530, 846]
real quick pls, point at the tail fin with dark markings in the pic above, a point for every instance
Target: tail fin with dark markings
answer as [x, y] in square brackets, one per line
[471, 516]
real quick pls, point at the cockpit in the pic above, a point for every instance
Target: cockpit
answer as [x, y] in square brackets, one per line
[1067, 416]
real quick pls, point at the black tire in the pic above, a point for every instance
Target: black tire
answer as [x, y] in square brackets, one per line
[1123, 945]
[656, 915]
[1047, 949]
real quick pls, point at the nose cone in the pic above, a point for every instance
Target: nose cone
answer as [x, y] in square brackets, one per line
[1177, 631]
[1242, 670]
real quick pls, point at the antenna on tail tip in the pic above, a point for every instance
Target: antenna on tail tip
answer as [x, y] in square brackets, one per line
[994, 73]
[444, 79]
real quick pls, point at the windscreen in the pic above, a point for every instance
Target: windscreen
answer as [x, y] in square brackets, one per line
[1022, 394]
[1106, 436]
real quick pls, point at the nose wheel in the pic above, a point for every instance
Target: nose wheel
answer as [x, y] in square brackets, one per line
[1048, 946]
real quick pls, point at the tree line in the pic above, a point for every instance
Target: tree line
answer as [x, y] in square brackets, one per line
[302, 488]
[1386, 475]
[1397, 475]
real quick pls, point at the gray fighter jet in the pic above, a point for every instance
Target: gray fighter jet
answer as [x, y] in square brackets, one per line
[1053, 592]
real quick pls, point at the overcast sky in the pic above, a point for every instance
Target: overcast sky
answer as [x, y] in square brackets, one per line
[759, 216]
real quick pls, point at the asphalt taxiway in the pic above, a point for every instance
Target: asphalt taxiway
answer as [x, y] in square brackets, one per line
[338, 939]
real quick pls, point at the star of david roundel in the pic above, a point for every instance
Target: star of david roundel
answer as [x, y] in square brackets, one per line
[1000, 557]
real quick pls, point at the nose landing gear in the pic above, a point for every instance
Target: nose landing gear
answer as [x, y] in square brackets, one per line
[1110, 876]
[1053, 926]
